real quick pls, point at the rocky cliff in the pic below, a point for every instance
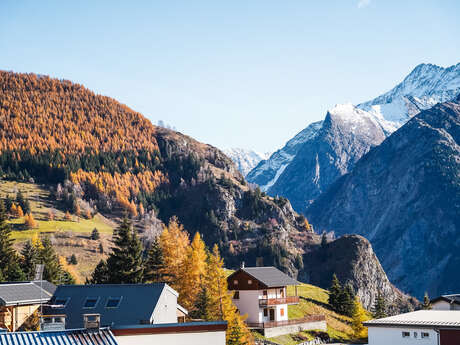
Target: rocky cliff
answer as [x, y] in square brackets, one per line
[404, 196]
[352, 259]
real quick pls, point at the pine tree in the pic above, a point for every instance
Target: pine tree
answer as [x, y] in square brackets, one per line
[30, 221]
[359, 316]
[201, 308]
[323, 239]
[155, 266]
[380, 307]
[66, 278]
[334, 293]
[29, 259]
[426, 302]
[26, 207]
[125, 262]
[9, 261]
[101, 248]
[95, 234]
[19, 212]
[20, 199]
[73, 260]
[100, 274]
[193, 270]
[8, 203]
[47, 256]
[347, 300]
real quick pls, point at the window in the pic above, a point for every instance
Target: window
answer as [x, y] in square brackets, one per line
[415, 335]
[282, 311]
[236, 295]
[405, 334]
[265, 293]
[425, 335]
[235, 282]
[113, 302]
[265, 312]
[91, 302]
[61, 302]
[249, 281]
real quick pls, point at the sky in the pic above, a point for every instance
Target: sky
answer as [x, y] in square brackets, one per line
[248, 74]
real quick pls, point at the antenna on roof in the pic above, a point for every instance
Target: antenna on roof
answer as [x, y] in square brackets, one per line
[39, 276]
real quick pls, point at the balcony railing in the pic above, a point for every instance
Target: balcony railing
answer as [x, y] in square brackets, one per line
[264, 302]
[270, 324]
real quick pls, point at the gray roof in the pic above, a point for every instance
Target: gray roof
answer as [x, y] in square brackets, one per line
[25, 293]
[137, 303]
[420, 318]
[448, 298]
[270, 276]
[67, 337]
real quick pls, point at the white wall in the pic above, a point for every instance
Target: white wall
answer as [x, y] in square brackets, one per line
[278, 312]
[443, 305]
[189, 338]
[248, 303]
[393, 336]
[166, 308]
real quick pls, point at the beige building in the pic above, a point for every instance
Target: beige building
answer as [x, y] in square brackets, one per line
[20, 300]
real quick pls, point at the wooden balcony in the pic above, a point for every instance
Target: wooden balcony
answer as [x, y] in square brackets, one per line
[265, 302]
[270, 324]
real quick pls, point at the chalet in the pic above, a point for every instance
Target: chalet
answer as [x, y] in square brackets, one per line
[20, 300]
[261, 293]
[446, 302]
[428, 327]
[117, 304]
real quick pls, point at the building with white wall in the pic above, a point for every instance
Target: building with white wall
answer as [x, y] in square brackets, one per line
[189, 333]
[446, 302]
[423, 327]
[261, 294]
[117, 304]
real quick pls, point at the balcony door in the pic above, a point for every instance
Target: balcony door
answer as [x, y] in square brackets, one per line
[272, 314]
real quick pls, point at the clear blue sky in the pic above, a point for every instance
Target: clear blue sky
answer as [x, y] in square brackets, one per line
[233, 73]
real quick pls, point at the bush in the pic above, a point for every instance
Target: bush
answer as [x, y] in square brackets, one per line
[95, 234]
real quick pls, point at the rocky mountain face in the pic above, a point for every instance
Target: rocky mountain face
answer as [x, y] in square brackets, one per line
[352, 259]
[267, 171]
[346, 134]
[320, 159]
[244, 159]
[404, 196]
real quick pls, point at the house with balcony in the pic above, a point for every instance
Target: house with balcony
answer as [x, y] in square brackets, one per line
[261, 293]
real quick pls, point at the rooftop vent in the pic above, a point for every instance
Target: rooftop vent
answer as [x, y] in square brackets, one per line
[92, 321]
[52, 322]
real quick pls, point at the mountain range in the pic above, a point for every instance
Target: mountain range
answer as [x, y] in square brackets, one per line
[310, 162]
[96, 155]
[245, 160]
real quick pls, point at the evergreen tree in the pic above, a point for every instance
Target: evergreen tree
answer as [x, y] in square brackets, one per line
[73, 260]
[95, 234]
[26, 207]
[9, 265]
[30, 258]
[334, 293]
[380, 307]
[47, 256]
[347, 300]
[67, 278]
[100, 274]
[426, 302]
[125, 262]
[8, 203]
[101, 248]
[20, 199]
[323, 239]
[202, 304]
[154, 265]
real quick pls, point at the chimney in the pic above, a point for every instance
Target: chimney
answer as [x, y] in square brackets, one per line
[242, 264]
[91, 321]
[52, 322]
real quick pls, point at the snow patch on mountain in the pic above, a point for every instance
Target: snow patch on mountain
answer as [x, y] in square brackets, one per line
[244, 159]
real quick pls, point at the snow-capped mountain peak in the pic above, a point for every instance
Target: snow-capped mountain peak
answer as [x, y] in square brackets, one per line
[244, 159]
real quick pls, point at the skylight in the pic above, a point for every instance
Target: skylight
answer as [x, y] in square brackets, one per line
[91, 302]
[61, 302]
[113, 302]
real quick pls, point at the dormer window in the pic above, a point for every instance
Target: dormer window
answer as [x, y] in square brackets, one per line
[91, 302]
[61, 302]
[113, 302]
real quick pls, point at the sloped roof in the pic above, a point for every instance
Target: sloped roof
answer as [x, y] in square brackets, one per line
[421, 318]
[269, 276]
[448, 298]
[67, 337]
[138, 301]
[24, 293]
